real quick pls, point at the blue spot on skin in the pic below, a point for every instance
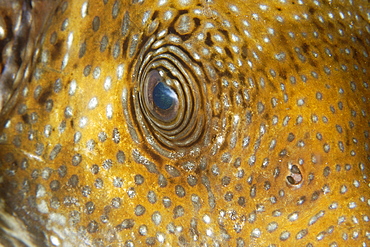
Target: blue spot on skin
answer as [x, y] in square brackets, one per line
[163, 96]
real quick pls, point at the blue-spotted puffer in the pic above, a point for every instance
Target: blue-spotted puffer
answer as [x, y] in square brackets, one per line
[186, 123]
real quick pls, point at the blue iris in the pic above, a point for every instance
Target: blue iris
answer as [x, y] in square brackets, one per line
[163, 96]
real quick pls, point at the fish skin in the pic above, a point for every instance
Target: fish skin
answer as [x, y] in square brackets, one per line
[281, 92]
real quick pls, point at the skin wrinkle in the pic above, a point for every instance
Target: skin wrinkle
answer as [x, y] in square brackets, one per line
[269, 145]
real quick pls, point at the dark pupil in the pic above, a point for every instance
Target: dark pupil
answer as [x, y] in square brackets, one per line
[163, 96]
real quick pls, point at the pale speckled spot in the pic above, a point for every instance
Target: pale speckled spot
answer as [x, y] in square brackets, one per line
[93, 103]
[84, 9]
[162, 2]
[83, 122]
[109, 111]
[120, 70]
[107, 83]
[55, 241]
[42, 207]
[72, 87]
[65, 61]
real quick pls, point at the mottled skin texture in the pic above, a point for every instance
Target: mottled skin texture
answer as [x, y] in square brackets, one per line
[283, 155]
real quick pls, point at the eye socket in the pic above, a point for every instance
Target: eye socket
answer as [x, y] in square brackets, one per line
[160, 99]
[168, 100]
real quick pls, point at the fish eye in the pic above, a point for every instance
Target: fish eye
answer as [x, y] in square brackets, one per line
[163, 96]
[160, 99]
[168, 100]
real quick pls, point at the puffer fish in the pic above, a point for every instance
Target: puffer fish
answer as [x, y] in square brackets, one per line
[189, 123]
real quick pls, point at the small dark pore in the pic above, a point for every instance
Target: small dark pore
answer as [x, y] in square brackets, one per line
[183, 11]
[282, 74]
[155, 15]
[55, 53]
[208, 41]
[228, 53]
[297, 68]
[225, 33]
[331, 25]
[45, 95]
[312, 63]
[244, 51]
[185, 37]
[225, 73]
[125, 46]
[305, 47]
[197, 22]
[283, 39]
[26, 118]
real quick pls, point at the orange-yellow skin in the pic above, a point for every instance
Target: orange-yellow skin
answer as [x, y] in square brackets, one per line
[313, 103]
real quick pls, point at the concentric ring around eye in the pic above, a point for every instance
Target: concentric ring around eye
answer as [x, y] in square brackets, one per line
[168, 101]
